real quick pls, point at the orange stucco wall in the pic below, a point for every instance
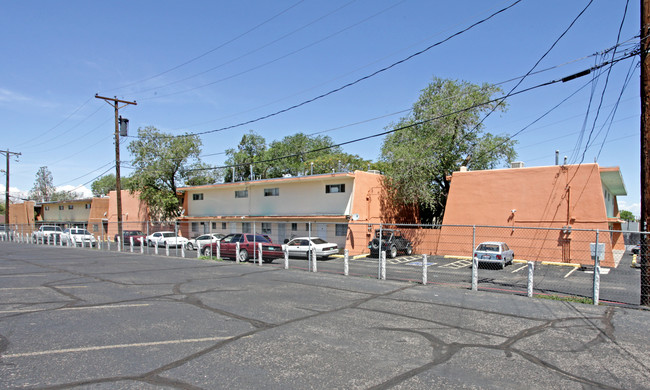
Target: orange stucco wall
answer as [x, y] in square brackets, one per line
[22, 214]
[543, 197]
[98, 214]
[134, 213]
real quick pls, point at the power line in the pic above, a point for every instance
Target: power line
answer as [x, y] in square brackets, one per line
[375, 73]
[214, 49]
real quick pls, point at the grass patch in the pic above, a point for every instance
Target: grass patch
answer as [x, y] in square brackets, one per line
[587, 301]
[209, 258]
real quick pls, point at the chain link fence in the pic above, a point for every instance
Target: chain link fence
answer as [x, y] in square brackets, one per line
[591, 266]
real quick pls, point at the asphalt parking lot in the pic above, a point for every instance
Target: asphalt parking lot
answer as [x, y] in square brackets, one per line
[75, 318]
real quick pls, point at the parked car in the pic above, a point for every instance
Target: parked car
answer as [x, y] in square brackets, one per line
[166, 238]
[392, 242]
[5, 232]
[494, 252]
[636, 249]
[203, 240]
[78, 237]
[45, 231]
[138, 237]
[301, 246]
[248, 247]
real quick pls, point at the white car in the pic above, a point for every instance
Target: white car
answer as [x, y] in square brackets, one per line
[166, 238]
[300, 246]
[203, 240]
[494, 252]
[78, 237]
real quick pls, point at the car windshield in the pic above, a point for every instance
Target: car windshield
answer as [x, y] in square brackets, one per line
[79, 231]
[133, 233]
[51, 228]
[256, 238]
[170, 234]
[318, 241]
[488, 247]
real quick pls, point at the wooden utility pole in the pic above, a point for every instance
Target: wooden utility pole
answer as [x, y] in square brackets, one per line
[7, 153]
[645, 155]
[118, 186]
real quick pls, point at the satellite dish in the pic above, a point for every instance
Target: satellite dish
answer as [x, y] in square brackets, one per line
[354, 217]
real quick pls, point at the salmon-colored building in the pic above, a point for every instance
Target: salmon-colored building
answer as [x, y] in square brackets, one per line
[538, 211]
[337, 207]
[22, 216]
[135, 213]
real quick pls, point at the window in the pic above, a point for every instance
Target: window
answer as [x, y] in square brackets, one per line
[214, 226]
[70, 207]
[95, 227]
[334, 188]
[87, 205]
[245, 227]
[272, 192]
[266, 228]
[224, 226]
[195, 226]
[47, 208]
[294, 227]
[61, 207]
[307, 227]
[197, 196]
[341, 229]
[241, 194]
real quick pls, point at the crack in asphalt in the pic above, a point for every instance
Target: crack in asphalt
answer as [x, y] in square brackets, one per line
[441, 351]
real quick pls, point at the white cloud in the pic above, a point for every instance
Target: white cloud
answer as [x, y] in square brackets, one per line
[83, 190]
[635, 208]
[16, 195]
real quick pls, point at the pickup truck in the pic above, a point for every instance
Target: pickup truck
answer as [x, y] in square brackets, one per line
[45, 231]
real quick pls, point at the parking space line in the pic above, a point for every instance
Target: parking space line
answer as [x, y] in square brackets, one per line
[570, 272]
[37, 287]
[520, 268]
[75, 308]
[23, 275]
[115, 346]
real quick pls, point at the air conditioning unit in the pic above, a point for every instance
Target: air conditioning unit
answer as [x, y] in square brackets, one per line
[517, 164]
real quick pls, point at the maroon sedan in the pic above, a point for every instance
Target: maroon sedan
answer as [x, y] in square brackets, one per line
[248, 247]
[138, 237]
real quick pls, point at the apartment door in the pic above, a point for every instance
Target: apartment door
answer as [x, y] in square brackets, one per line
[321, 230]
[282, 232]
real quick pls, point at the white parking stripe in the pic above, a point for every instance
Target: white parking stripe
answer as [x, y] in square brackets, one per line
[76, 308]
[520, 268]
[570, 272]
[38, 287]
[116, 346]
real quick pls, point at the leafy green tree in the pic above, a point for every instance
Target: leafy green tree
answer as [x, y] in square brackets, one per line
[163, 163]
[106, 184]
[251, 150]
[627, 216]
[59, 196]
[443, 132]
[43, 186]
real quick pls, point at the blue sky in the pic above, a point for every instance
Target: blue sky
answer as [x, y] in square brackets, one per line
[203, 65]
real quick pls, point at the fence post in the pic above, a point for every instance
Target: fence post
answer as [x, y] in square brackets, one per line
[166, 249]
[424, 270]
[131, 242]
[286, 257]
[312, 252]
[474, 261]
[531, 272]
[218, 249]
[382, 265]
[155, 247]
[379, 250]
[183, 251]
[346, 262]
[259, 255]
[596, 294]
[237, 252]
[119, 242]
[142, 245]
[198, 250]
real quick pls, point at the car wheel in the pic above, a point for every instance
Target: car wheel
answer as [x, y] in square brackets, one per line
[189, 246]
[243, 255]
[409, 250]
[503, 264]
[374, 243]
[393, 252]
[207, 251]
